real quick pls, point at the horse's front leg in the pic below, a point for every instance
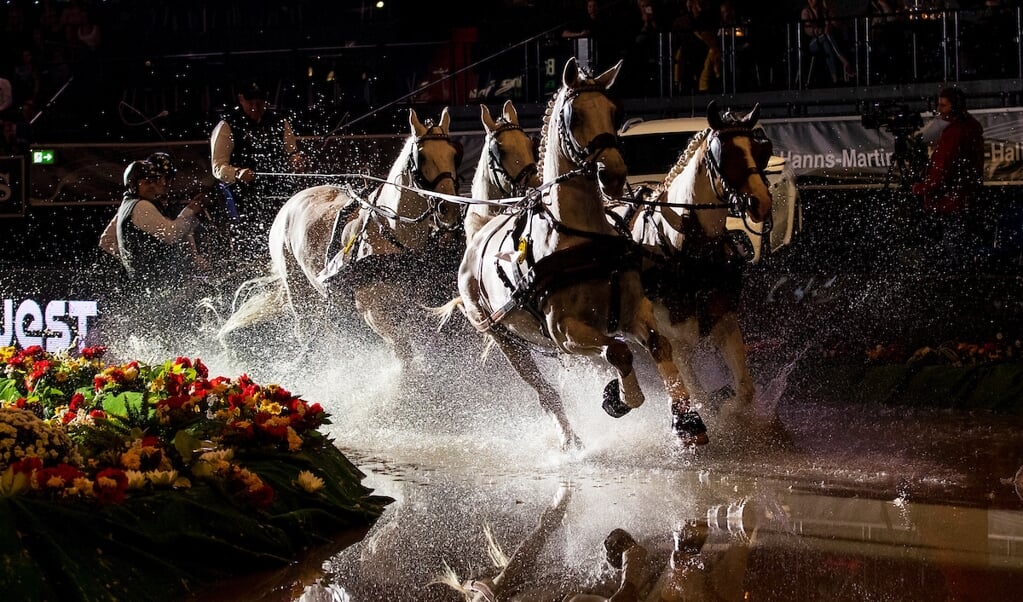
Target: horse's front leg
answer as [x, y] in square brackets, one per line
[521, 360]
[686, 422]
[727, 337]
[579, 338]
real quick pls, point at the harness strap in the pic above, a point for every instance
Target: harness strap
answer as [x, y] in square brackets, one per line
[603, 256]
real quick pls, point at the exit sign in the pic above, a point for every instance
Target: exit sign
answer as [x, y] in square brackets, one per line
[42, 157]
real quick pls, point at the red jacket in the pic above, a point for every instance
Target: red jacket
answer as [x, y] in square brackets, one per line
[956, 171]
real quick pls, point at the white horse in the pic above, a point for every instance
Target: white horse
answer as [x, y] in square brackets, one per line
[381, 247]
[556, 275]
[693, 271]
[506, 167]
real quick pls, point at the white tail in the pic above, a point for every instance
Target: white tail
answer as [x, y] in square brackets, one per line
[261, 299]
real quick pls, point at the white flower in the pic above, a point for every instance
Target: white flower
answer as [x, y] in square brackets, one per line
[309, 481]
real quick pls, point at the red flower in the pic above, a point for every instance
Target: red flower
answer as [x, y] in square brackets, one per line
[27, 465]
[61, 475]
[183, 362]
[201, 369]
[111, 485]
[174, 402]
[97, 414]
[261, 497]
[39, 369]
[174, 383]
[76, 402]
[91, 353]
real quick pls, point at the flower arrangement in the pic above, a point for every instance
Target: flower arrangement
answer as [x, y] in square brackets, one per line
[227, 458]
[136, 426]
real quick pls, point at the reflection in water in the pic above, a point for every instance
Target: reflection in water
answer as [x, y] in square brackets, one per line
[858, 503]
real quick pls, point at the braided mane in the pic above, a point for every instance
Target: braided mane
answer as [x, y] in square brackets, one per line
[542, 146]
[685, 157]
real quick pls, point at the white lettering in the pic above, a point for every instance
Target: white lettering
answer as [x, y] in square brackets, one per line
[55, 329]
[28, 320]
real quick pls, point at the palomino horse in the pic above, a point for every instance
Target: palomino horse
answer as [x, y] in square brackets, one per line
[506, 168]
[692, 270]
[331, 235]
[556, 275]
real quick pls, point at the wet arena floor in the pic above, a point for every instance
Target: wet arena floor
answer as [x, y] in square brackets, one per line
[846, 502]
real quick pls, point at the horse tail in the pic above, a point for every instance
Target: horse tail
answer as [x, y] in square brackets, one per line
[256, 301]
[443, 313]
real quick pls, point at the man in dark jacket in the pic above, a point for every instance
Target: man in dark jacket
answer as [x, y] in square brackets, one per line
[954, 176]
[252, 139]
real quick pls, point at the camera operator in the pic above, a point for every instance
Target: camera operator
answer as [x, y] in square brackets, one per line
[953, 180]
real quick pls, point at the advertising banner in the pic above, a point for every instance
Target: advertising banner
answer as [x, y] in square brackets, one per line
[843, 148]
[12, 186]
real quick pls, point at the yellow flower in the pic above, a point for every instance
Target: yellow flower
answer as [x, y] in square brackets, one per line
[294, 441]
[136, 479]
[309, 482]
[162, 478]
[131, 459]
[12, 483]
[84, 486]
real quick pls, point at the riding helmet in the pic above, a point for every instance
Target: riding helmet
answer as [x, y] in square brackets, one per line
[140, 170]
[163, 162]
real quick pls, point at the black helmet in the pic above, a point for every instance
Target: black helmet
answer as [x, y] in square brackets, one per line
[140, 170]
[163, 163]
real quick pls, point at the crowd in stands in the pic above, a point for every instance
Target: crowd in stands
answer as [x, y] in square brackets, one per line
[109, 49]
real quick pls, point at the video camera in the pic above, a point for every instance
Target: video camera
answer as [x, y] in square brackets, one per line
[896, 118]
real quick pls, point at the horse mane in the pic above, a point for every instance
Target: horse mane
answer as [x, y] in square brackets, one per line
[402, 161]
[544, 130]
[685, 157]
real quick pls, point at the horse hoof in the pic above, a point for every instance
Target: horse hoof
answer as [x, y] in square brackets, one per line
[615, 544]
[613, 404]
[690, 429]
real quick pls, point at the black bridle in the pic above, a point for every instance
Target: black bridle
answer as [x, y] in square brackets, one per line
[415, 173]
[515, 183]
[578, 153]
[739, 203]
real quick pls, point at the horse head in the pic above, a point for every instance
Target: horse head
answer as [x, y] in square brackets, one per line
[588, 126]
[434, 164]
[511, 159]
[738, 153]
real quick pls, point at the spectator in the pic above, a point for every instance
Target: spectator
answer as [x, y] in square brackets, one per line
[11, 143]
[821, 28]
[27, 79]
[738, 38]
[699, 46]
[596, 36]
[6, 94]
[953, 180]
[887, 40]
[250, 139]
[642, 60]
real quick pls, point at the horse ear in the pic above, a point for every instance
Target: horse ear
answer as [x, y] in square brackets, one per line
[714, 116]
[510, 114]
[607, 78]
[570, 75]
[418, 129]
[445, 120]
[751, 118]
[488, 121]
